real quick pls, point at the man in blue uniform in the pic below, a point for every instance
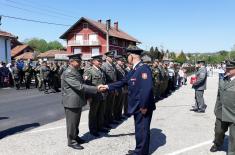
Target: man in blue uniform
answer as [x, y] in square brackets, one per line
[140, 99]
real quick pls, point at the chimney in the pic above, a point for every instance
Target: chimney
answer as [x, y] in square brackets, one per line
[99, 20]
[116, 25]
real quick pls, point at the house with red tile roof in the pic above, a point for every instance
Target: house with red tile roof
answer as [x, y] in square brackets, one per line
[21, 49]
[88, 37]
[5, 46]
[26, 56]
[50, 55]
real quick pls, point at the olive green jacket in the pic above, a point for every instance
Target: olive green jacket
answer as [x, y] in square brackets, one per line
[73, 89]
[225, 103]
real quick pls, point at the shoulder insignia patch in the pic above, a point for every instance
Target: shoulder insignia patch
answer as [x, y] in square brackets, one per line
[144, 76]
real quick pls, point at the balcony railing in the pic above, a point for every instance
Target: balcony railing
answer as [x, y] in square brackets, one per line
[83, 43]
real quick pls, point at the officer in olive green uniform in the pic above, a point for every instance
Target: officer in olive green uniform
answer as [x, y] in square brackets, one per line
[225, 110]
[120, 98]
[95, 76]
[73, 99]
[111, 76]
[200, 87]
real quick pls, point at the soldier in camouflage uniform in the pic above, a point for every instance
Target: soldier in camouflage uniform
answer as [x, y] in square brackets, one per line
[94, 77]
[28, 75]
[39, 80]
[44, 75]
[157, 78]
[16, 76]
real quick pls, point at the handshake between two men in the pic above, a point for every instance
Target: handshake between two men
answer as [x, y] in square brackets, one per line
[102, 88]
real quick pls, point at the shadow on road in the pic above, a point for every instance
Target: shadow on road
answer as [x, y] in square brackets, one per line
[4, 118]
[120, 135]
[157, 139]
[16, 129]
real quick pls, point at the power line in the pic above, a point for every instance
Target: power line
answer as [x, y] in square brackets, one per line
[32, 20]
[38, 8]
[50, 7]
[31, 11]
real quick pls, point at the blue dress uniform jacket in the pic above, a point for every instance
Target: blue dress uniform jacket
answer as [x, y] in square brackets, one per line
[140, 92]
[140, 95]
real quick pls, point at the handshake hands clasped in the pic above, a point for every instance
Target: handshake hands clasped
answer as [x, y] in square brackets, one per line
[102, 88]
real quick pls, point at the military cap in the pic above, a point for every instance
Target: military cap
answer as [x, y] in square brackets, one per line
[97, 57]
[134, 50]
[76, 57]
[230, 64]
[120, 57]
[110, 53]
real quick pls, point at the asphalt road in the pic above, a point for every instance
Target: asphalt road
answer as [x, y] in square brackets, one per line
[174, 131]
[21, 110]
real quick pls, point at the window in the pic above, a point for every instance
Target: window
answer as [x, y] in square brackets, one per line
[114, 41]
[79, 37]
[85, 25]
[93, 39]
[77, 50]
[95, 51]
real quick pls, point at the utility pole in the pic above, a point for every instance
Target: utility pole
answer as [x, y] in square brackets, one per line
[108, 24]
[0, 22]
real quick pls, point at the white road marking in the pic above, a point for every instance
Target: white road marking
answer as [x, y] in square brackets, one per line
[191, 148]
[48, 129]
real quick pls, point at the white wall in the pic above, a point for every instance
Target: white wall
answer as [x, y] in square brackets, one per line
[2, 50]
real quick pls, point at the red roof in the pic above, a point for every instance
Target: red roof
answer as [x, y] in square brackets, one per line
[102, 26]
[18, 49]
[51, 53]
[26, 56]
[6, 34]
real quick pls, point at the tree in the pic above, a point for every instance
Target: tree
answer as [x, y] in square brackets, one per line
[172, 55]
[154, 53]
[55, 45]
[41, 45]
[151, 50]
[181, 58]
[157, 52]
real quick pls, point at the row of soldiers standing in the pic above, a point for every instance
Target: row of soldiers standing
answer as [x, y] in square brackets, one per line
[165, 77]
[106, 108]
[111, 108]
[46, 76]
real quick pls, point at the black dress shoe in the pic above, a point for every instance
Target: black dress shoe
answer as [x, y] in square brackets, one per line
[214, 148]
[131, 151]
[76, 146]
[115, 122]
[200, 111]
[80, 140]
[108, 127]
[104, 130]
[193, 109]
[94, 134]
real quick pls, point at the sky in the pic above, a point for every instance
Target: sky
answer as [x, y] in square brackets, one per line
[188, 25]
